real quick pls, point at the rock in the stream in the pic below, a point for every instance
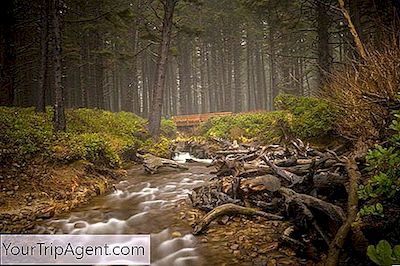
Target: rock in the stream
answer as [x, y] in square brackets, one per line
[79, 225]
[152, 164]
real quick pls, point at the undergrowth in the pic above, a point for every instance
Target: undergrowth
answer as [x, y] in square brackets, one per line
[303, 117]
[95, 135]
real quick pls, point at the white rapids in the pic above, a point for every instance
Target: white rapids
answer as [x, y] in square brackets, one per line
[143, 204]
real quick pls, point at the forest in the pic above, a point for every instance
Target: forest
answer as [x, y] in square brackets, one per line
[286, 114]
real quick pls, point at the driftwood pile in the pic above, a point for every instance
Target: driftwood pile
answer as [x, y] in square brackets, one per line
[292, 182]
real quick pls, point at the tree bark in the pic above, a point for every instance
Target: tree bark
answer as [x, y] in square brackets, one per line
[361, 148]
[324, 56]
[359, 45]
[272, 69]
[59, 116]
[230, 209]
[44, 49]
[155, 116]
[237, 74]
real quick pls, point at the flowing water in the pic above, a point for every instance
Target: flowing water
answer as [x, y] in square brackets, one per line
[144, 204]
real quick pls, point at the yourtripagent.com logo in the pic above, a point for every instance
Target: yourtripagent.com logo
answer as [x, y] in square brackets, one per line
[75, 249]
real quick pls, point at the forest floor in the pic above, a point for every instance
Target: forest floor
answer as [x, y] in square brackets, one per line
[40, 191]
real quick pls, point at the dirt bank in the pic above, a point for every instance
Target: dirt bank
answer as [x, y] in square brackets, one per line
[39, 191]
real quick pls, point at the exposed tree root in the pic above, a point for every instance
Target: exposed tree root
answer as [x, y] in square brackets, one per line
[337, 243]
[229, 209]
[334, 212]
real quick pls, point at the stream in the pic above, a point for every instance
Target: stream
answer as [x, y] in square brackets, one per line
[146, 204]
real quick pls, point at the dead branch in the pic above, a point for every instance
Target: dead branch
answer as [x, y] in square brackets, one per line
[353, 31]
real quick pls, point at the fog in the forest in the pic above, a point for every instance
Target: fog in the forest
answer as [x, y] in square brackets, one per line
[223, 56]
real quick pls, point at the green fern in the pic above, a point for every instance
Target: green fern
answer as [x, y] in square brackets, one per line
[383, 254]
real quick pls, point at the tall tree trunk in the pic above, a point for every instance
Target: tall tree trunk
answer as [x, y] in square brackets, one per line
[324, 56]
[59, 116]
[174, 90]
[250, 73]
[264, 82]
[194, 72]
[214, 106]
[7, 52]
[272, 69]
[259, 69]
[84, 60]
[212, 87]
[99, 74]
[44, 50]
[145, 86]
[184, 65]
[218, 79]
[237, 74]
[155, 116]
[134, 84]
[357, 40]
[203, 81]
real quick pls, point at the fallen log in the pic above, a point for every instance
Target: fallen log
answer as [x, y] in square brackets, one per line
[229, 209]
[153, 163]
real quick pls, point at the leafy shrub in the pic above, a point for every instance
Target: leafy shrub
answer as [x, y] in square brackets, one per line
[95, 148]
[261, 125]
[95, 135]
[305, 117]
[161, 148]
[23, 133]
[383, 254]
[374, 209]
[168, 128]
[311, 116]
[84, 120]
[384, 165]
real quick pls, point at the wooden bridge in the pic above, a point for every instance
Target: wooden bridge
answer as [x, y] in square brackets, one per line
[191, 121]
